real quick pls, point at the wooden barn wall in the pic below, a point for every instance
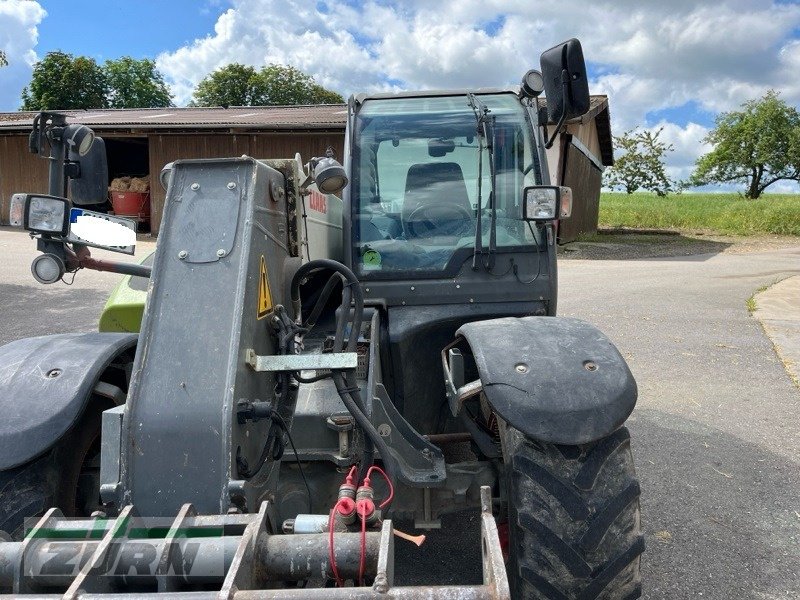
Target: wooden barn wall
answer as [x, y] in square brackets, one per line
[585, 179]
[20, 171]
[587, 133]
[166, 148]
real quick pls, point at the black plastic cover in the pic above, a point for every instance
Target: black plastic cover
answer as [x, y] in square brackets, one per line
[556, 379]
[567, 56]
[45, 383]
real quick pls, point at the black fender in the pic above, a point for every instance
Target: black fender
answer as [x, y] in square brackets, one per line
[556, 379]
[45, 383]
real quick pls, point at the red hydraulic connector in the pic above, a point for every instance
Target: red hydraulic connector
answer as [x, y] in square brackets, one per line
[346, 510]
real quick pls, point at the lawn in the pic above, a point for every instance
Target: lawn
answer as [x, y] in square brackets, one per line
[727, 214]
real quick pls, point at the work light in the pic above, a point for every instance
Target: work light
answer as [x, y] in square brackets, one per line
[46, 214]
[329, 175]
[78, 138]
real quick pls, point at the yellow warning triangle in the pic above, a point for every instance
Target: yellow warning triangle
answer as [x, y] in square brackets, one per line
[264, 295]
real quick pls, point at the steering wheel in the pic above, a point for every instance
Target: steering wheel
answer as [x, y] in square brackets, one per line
[445, 218]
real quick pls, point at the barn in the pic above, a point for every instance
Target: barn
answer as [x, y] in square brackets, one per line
[139, 142]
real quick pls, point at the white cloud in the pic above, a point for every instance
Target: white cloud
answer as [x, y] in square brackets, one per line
[19, 20]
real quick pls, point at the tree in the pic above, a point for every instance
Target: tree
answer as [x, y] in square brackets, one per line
[3, 59]
[240, 85]
[642, 164]
[757, 146]
[62, 81]
[135, 83]
[283, 85]
[231, 85]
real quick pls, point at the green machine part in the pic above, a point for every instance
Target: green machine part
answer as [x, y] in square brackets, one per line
[124, 308]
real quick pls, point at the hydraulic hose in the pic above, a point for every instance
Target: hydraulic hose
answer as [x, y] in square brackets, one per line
[345, 383]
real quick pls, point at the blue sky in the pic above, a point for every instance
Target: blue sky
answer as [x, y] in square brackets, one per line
[143, 28]
[673, 65]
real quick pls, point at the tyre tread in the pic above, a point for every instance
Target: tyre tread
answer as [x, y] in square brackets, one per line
[574, 516]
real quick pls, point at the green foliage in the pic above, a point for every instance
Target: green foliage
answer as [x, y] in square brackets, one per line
[757, 146]
[728, 214]
[641, 165]
[3, 59]
[231, 85]
[63, 81]
[135, 83]
[241, 85]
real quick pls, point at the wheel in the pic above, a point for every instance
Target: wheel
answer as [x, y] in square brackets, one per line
[67, 477]
[573, 514]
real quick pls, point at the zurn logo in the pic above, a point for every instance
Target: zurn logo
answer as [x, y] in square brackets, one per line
[141, 553]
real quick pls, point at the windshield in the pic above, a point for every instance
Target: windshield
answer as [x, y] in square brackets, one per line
[416, 180]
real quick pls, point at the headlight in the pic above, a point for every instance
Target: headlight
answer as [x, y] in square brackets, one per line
[47, 214]
[546, 203]
[540, 203]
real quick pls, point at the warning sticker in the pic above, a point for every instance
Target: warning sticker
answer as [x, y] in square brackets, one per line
[264, 295]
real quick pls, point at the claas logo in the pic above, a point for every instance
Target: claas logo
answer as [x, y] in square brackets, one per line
[318, 202]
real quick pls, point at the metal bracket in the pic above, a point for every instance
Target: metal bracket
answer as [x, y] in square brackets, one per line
[457, 391]
[301, 362]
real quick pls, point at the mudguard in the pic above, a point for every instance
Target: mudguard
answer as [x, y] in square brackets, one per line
[556, 379]
[45, 382]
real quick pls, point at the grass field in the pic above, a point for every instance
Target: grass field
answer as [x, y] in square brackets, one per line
[726, 214]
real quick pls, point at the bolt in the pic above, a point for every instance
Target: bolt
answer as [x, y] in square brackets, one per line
[458, 286]
[384, 430]
[521, 368]
[472, 299]
[231, 185]
[426, 452]
[220, 252]
[53, 373]
[183, 254]
[367, 290]
[413, 288]
[590, 366]
[195, 186]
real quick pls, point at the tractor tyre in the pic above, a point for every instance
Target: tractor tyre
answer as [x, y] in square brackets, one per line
[573, 519]
[67, 477]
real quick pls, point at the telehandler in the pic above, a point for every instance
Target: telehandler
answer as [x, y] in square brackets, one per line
[308, 370]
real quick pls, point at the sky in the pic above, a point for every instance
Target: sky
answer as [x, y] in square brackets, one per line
[671, 64]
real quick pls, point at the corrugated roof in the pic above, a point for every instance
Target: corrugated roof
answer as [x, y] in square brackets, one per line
[317, 116]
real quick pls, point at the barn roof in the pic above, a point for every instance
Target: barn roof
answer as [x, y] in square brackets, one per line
[330, 117]
[318, 116]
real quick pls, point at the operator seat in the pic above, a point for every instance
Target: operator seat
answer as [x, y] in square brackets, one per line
[434, 184]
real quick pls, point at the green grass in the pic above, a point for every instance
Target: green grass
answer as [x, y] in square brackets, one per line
[726, 214]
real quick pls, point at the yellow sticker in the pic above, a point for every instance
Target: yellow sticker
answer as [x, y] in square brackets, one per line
[264, 295]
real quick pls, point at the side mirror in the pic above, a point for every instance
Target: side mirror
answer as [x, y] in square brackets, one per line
[565, 83]
[91, 184]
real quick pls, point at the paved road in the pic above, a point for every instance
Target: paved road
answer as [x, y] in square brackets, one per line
[717, 428]
[716, 431]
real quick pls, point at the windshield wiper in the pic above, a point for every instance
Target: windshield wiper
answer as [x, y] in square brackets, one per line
[485, 130]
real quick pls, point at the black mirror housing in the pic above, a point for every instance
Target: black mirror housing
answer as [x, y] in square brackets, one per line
[566, 85]
[91, 187]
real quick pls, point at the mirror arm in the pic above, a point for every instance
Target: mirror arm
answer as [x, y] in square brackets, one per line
[562, 120]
